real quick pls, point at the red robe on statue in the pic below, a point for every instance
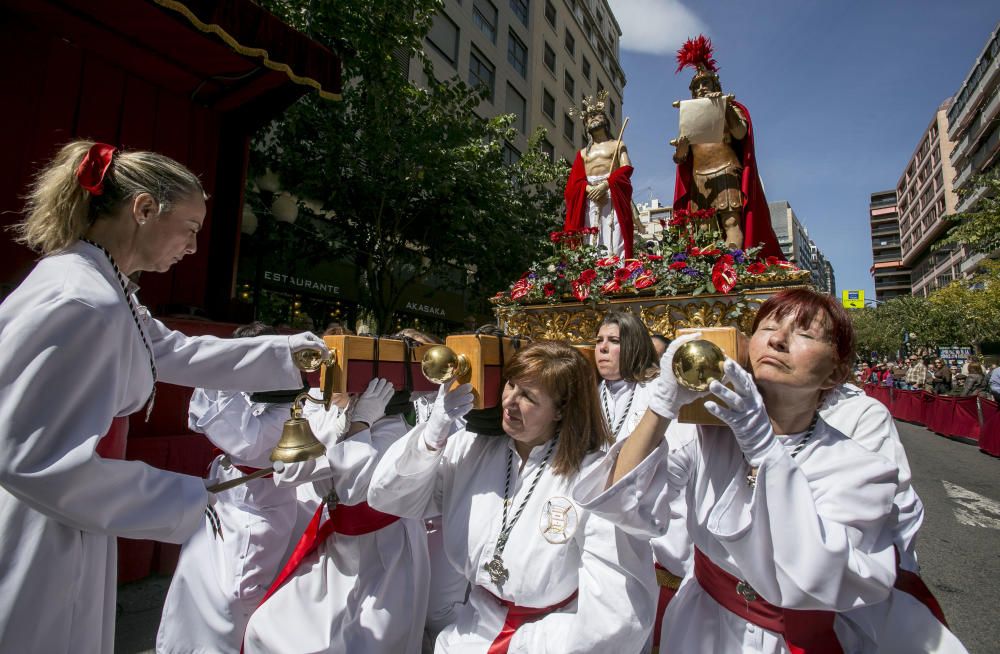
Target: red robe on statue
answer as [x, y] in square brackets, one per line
[620, 185]
[756, 223]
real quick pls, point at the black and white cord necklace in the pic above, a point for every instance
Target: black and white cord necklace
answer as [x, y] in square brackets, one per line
[123, 282]
[498, 573]
[615, 428]
[752, 475]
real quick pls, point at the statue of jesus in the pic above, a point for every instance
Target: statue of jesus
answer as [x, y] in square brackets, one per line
[599, 189]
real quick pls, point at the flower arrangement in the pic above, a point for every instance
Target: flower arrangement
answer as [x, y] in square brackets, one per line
[688, 258]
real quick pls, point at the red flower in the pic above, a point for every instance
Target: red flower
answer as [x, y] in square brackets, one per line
[588, 276]
[678, 265]
[678, 220]
[607, 262]
[724, 275]
[698, 252]
[611, 286]
[756, 268]
[580, 291]
[555, 237]
[520, 289]
[644, 280]
[655, 257]
[632, 265]
[621, 274]
[772, 261]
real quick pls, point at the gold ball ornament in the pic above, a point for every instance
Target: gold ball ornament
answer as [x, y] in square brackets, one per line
[441, 365]
[697, 363]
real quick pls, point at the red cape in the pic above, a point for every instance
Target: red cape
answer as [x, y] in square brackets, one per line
[756, 223]
[620, 184]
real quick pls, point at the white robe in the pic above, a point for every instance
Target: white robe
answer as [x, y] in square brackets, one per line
[901, 624]
[812, 534]
[219, 582]
[364, 593]
[605, 219]
[464, 482]
[71, 359]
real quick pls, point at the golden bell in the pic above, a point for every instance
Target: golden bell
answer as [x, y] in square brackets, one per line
[697, 363]
[441, 365]
[298, 443]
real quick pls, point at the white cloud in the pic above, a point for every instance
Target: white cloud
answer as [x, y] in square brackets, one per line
[655, 26]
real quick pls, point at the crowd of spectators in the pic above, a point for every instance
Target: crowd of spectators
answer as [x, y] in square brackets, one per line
[934, 375]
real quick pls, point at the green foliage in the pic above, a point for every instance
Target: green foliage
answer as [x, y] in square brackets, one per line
[966, 312]
[407, 183]
[979, 229]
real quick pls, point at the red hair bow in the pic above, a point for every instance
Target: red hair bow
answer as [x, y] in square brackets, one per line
[90, 173]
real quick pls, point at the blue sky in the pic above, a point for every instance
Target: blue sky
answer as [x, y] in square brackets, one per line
[839, 93]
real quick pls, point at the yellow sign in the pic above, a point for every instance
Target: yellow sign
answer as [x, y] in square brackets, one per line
[853, 299]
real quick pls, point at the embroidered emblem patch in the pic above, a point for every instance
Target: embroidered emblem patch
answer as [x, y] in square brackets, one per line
[558, 521]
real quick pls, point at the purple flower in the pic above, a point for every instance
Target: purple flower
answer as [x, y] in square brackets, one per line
[738, 256]
[691, 272]
[680, 256]
[532, 276]
[561, 266]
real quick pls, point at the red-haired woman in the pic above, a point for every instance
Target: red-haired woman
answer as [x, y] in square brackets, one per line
[790, 518]
[546, 575]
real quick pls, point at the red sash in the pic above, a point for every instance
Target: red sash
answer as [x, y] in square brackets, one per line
[517, 616]
[246, 470]
[668, 583]
[112, 444]
[353, 520]
[911, 584]
[805, 632]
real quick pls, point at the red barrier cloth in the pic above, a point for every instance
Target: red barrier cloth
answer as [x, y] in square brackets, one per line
[938, 413]
[805, 632]
[989, 435]
[965, 419]
[908, 406]
[517, 616]
[881, 393]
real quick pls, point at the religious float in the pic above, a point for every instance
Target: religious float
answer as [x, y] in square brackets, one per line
[711, 265]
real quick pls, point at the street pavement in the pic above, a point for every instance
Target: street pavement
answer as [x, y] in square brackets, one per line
[958, 546]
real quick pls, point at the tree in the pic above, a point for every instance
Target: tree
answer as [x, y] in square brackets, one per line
[409, 183]
[973, 306]
[979, 228]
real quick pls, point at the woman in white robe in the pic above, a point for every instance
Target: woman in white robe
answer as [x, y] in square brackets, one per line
[789, 531]
[364, 588]
[546, 575]
[911, 619]
[76, 353]
[627, 365]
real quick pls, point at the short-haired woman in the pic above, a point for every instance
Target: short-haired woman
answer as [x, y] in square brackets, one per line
[78, 354]
[546, 575]
[790, 518]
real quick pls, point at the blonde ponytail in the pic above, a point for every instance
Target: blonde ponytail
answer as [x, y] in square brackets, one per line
[59, 210]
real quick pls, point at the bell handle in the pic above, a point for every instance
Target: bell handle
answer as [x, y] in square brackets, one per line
[304, 396]
[239, 481]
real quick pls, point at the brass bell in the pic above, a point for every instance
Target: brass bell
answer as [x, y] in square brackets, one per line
[441, 365]
[298, 443]
[697, 363]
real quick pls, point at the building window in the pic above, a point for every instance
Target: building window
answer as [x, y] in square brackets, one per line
[517, 54]
[520, 9]
[548, 105]
[481, 72]
[586, 69]
[570, 43]
[612, 110]
[548, 150]
[600, 87]
[484, 15]
[443, 36]
[570, 85]
[511, 155]
[550, 58]
[569, 127]
[550, 13]
[517, 105]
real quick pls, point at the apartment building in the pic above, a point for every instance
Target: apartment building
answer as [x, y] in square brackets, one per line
[536, 58]
[974, 127]
[798, 248]
[892, 278]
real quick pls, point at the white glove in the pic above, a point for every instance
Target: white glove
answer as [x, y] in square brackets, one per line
[307, 341]
[290, 475]
[371, 405]
[668, 395]
[448, 407]
[746, 414]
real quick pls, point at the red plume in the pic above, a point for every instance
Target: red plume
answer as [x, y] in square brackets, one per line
[694, 52]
